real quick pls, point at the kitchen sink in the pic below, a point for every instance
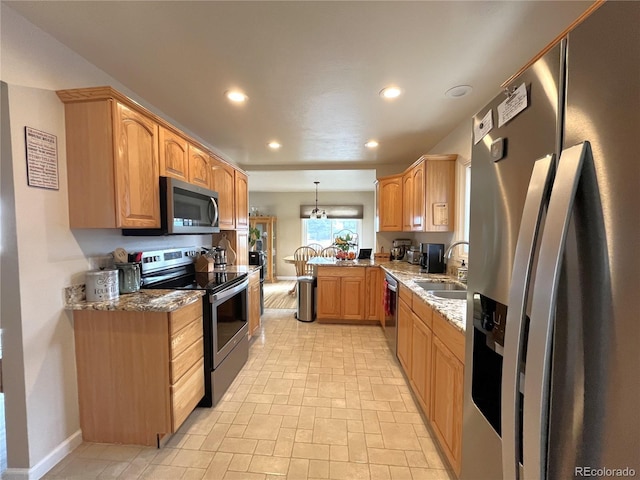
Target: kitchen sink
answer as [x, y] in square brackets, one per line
[450, 294]
[440, 286]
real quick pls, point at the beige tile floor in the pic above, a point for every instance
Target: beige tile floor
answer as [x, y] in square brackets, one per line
[313, 402]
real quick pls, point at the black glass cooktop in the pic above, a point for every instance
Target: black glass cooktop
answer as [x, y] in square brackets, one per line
[211, 281]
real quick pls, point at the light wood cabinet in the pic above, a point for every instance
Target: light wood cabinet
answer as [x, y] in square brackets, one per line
[421, 339]
[242, 200]
[140, 374]
[242, 247]
[267, 228]
[198, 167]
[374, 294]
[174, 155]
[446, 401]
[421, 199]
[116, 150]
[112, 165]
[431, 353]
[417, 198]
[405, 332]
[341, 294]
[328, 296]
[223, 181]
[440, 193]
[407, 201]
[254, 302]
[389, 204]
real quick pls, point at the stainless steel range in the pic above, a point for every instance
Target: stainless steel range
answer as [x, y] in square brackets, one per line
[224, 312]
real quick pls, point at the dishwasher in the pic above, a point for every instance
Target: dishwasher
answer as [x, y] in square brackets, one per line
[391, 311]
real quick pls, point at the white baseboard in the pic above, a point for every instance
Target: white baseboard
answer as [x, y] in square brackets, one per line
[286, 278]
[47, 463]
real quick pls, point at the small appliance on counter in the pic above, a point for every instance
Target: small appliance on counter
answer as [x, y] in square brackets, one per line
[433, 258]
[414, 255]
[399, 248]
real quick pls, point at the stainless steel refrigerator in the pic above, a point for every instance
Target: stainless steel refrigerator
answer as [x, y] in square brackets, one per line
[552, 378]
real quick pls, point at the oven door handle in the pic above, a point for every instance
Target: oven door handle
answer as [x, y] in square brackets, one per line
[226, 294]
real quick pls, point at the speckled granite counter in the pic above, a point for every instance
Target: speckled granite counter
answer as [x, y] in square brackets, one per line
[142, 301]
[332, 262]
[453, 310]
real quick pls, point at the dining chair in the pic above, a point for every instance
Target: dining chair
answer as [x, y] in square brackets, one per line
[316, 246]
[329, 252]
[301, 256]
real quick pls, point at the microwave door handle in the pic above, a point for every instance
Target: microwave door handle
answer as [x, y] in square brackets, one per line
[213, 206]
[543, 307]
[534, 205]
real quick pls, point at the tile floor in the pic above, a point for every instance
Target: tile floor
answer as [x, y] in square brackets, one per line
[313, 402]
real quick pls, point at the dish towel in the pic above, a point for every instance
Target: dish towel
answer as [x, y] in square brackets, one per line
[386, 296]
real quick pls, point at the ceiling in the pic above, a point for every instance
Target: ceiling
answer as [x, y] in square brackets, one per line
[312, 70]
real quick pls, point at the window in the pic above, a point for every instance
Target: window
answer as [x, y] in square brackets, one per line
[323, 231]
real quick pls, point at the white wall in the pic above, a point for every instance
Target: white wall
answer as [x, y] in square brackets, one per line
[286, 207]
[40, 255]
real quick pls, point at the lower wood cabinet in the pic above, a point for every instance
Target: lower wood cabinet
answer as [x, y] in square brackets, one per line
[254, 302]
[446, 398]
[140, 374]
[349, 294]
[431, 352]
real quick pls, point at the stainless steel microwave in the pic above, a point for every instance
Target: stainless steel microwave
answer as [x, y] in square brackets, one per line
[185, 209]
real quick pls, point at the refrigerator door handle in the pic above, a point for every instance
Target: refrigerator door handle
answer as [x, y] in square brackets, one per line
[545, 294]
[534, 205]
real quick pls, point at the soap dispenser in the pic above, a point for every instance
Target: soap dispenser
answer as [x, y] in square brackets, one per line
[462, 272]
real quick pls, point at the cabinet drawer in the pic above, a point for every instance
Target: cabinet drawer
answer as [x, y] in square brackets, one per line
[186, 394]
[186, 337]
[406, 295]
[422, 310]
[356, 272]
[183, 362]
[185, 315]
[449, 335]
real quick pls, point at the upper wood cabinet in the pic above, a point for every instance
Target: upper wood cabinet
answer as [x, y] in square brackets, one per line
[440, 193]
[174, 155]
[112, 164]
[407, 201]
[242, 200]
[222, 181]
[389, 204]
[421, 199]
[116, 152]
[417, 197]
[198, 167]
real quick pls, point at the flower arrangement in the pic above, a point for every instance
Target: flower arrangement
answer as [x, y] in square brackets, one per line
[344, 244]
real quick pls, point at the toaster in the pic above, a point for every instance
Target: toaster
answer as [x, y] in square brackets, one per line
[414, 257]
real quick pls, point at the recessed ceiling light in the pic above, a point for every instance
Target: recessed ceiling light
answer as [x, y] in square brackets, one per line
[390, 92]
[274, 145]
[458, 91]
[371, 144]
[236, 96]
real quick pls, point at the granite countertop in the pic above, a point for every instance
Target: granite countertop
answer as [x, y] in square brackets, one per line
[455, 311]
[145, 300]
[141, 301]
[333, 262]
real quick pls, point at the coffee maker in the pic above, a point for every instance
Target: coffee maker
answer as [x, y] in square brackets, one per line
[433, 258]
[399, 248]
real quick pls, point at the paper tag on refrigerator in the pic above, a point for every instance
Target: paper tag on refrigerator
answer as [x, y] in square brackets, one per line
[513, 105]
[483, 127]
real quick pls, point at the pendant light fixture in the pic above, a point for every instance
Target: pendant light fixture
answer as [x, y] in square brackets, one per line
[316, 213]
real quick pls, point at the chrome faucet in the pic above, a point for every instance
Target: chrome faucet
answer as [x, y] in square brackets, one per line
[447, 253]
